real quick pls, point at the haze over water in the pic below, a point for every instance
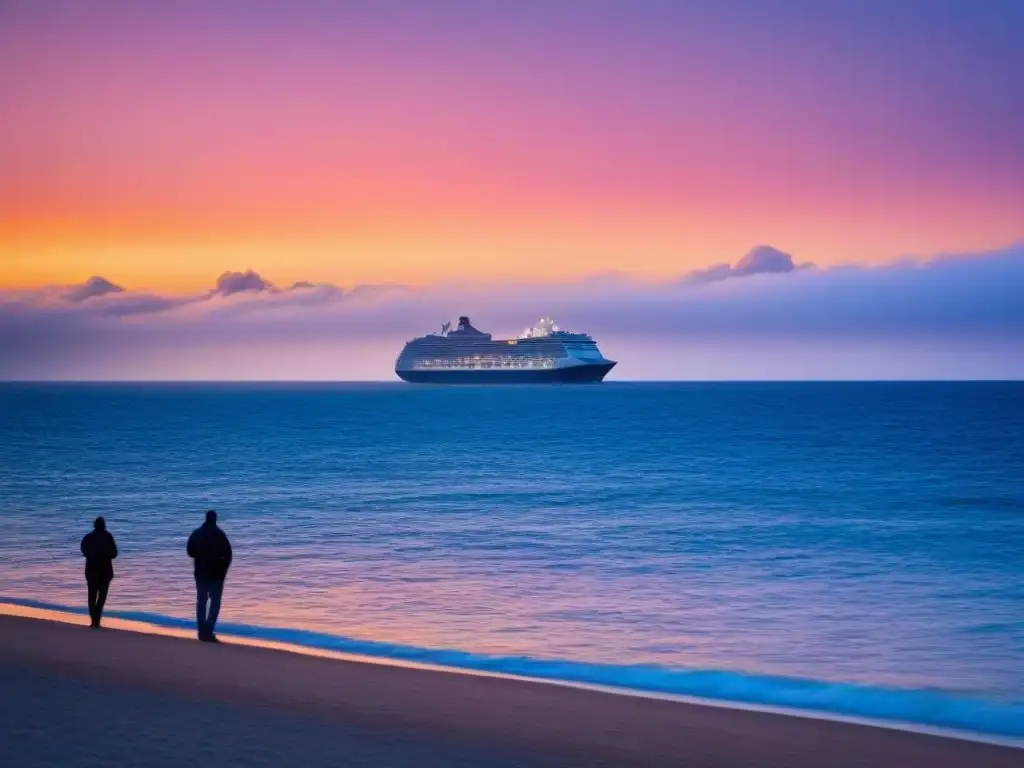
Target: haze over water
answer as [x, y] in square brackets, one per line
[755, 542]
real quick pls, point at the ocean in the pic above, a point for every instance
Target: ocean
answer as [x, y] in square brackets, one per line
[852, 549]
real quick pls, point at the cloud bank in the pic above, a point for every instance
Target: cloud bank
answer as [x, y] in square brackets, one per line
[766, 316]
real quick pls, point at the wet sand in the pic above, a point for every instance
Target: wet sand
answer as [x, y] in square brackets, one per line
[73, 696]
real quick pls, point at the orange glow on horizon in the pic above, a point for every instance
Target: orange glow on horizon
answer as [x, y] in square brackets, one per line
[168, 255]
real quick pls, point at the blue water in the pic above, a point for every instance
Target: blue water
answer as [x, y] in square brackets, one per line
[855, 549]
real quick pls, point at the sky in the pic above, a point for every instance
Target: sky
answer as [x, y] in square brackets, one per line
[413, 161]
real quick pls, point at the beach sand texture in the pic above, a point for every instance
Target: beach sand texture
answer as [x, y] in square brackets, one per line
[73, 696]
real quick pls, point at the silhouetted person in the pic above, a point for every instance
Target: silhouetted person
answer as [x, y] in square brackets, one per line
[209, 547]
[99, 551]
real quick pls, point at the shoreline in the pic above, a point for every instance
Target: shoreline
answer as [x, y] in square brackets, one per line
[544, 717]
[63, 614]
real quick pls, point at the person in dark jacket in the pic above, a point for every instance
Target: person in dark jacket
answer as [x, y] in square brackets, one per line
[209, 547]
[99, 551]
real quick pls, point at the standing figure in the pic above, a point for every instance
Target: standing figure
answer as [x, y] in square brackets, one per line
[99, 551]
[209, 547]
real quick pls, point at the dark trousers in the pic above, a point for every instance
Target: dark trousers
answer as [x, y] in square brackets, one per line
[97, 598]
[207, 592]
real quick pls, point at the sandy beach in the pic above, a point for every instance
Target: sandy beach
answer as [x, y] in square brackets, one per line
[73, 696]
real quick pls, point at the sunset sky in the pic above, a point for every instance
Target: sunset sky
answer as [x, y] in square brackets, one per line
[158, 145]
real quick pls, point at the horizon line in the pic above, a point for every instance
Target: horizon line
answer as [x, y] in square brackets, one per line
[395, 382]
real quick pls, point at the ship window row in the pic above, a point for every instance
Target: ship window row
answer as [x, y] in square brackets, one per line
[485, 362]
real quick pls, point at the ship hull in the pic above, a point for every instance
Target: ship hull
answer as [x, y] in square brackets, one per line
[575, 374]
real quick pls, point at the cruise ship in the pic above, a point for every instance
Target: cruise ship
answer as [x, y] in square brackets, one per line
[541, 354]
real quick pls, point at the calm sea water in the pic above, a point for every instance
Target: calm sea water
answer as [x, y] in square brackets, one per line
[851, 548]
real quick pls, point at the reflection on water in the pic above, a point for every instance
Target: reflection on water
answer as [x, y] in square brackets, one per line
[852, 533]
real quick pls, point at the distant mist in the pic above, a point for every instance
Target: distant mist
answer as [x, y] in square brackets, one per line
[766, 317]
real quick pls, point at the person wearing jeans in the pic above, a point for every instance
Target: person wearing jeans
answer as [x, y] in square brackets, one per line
[209, 548]
[208, 594]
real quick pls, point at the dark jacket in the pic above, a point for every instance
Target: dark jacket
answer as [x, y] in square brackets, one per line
[99, 551]
[209, 547]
